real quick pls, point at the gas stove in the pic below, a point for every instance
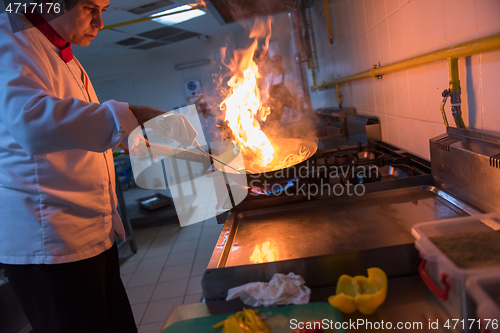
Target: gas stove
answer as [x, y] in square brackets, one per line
[355, 160]
[338, 172]
[363, 164]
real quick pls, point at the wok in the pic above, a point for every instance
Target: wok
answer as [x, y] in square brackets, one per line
[275, 172]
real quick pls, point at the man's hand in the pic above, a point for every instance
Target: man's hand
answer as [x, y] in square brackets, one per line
[138, 148]
[169, 124]
[144, 113]
[174, 126]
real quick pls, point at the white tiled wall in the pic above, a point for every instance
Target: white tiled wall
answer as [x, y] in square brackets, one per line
[369, 32]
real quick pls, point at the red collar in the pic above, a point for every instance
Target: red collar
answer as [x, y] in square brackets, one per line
[39, 22]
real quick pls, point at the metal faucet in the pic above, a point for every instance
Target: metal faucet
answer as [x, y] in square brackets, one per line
[454, 93]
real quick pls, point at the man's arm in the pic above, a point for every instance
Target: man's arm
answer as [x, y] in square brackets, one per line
[144, 113]
[42, 123]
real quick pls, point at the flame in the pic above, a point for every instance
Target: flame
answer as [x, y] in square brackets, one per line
[263, 253]
[199, 3]
[243, 106]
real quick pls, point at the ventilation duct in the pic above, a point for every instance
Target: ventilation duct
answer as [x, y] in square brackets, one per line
[148, 46]
[130, 41]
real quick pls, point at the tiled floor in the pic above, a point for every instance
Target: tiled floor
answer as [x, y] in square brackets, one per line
[167, 268]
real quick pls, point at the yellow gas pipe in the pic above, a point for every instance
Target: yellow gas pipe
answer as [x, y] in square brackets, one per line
[330, 31]
[480, 45]
[339, 96]
[454, 92]
[454, 79]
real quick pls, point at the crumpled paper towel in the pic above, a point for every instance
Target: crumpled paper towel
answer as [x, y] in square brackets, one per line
[281, 290]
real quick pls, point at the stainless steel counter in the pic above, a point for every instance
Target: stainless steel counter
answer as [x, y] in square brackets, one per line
[325, 238]
[323, 227]
[408, 301]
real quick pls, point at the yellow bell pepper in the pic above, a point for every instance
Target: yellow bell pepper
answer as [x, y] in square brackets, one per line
[360, 292]
[245, 321]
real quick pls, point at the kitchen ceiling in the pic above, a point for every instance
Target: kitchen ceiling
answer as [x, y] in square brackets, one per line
[138, 37]
[146, 35]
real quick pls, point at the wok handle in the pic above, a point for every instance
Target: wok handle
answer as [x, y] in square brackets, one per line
[179, 153]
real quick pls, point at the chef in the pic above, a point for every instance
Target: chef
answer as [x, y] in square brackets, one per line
[282, 93]
[58, 217]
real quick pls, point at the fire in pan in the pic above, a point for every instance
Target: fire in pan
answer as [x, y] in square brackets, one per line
[290, 156]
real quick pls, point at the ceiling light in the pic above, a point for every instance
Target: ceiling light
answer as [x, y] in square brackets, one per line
[177, 18]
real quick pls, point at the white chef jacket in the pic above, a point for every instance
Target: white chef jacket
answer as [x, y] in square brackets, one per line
[293, 86]
[57, 195]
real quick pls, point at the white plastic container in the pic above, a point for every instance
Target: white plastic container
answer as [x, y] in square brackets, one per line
[445, 279]
[485, 293]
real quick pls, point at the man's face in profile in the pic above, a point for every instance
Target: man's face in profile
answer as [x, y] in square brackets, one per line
[81, 23]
